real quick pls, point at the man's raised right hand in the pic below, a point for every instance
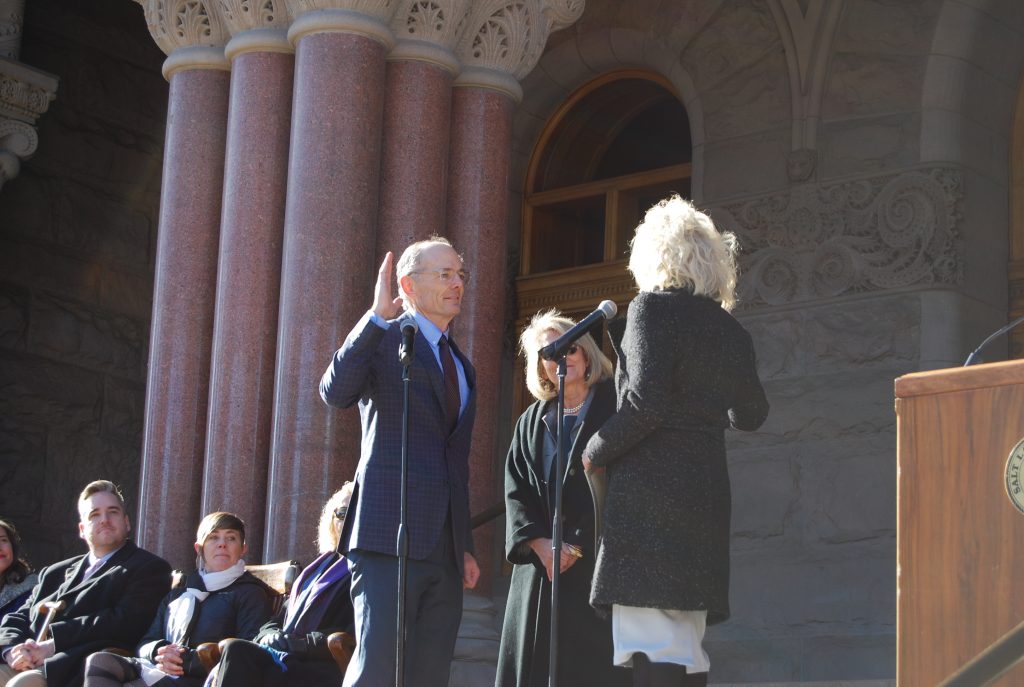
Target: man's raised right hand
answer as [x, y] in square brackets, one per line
[384, 305]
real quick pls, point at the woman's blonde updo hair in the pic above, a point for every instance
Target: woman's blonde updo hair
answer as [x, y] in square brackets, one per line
[677, 246]
[542, 388]
[329, 531]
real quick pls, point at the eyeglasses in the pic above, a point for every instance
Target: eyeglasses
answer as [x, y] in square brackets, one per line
[446, 275]
[572, 350]
[341, 512]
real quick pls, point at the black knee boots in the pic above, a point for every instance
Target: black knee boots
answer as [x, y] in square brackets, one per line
[650, 674]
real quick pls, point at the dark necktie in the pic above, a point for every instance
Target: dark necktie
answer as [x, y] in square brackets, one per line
[452, 397]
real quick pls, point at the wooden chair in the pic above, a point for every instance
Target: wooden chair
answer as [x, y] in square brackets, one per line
[280, 577]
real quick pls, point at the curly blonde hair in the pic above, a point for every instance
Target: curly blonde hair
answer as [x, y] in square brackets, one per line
[328, 533]
[542, 388]
[678, 246]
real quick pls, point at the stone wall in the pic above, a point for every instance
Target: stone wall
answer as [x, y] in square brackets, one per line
[77, 235]
[847, 145]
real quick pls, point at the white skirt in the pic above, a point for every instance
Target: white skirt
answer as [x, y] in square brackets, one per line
[666, 636]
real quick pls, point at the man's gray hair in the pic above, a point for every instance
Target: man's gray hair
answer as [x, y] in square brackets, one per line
[410, 260]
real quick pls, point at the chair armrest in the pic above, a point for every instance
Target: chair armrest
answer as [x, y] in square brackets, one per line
[209, 654]
[342, 645]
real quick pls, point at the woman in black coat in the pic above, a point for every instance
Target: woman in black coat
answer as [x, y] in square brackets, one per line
[291, 650]
[585, 651]
[220, 600]
[686, 372]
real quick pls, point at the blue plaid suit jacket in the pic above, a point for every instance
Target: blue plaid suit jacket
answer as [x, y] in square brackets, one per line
[366, 370]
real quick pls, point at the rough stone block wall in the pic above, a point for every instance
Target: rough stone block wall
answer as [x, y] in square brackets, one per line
[77, 236]
[814, 497]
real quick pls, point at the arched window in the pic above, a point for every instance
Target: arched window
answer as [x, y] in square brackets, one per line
[614, 148]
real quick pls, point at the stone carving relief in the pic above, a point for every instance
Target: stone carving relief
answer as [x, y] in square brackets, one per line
[183, 23]
[242, 15]
[25, 94]
[509, 35]
[818, 241]
[382, 10]
[23, 99]
[807, 30]
[18, 140]
[12, 14]
[436, 21]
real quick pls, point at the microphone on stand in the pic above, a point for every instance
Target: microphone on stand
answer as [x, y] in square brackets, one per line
[409, 329]
[557, 348]
[974, 354]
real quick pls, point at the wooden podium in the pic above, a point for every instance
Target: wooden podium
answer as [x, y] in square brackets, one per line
[960, 539]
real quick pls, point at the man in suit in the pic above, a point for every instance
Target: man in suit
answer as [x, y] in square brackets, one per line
[111, 595]
[366, 370]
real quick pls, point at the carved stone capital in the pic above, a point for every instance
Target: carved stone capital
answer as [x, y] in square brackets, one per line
[380, 10]
[12, 16]
[818, 241]
[25, 93]
[427, 31]
[18, 140]
[177, 24]
[247, 15]
[508, 36]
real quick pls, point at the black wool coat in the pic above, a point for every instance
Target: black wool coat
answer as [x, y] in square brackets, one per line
[686, 371]
[238, 610]
[585, 640]
[110, 609]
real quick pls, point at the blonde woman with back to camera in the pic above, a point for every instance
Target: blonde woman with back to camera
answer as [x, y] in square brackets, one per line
[686, 373]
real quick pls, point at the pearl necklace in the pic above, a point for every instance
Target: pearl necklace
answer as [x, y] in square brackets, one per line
[575, 409]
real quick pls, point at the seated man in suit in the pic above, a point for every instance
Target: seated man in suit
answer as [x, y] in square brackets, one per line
[291, 650]
[111, 595]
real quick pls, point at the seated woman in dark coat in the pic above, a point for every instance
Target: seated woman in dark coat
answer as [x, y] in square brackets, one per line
[292, 649]
[16, 581]
[219, 600]
[585, 640]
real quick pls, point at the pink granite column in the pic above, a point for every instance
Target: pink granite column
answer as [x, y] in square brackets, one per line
[327, 269]
[183, 302]
[477, 218]
[248, 280]
[414, 164]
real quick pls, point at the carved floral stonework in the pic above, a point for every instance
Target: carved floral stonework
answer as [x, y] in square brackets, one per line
[509, 35]
[382, 10]
[817, 241]
[436, 21]
[25, 94]
[184, 24]
[243, 15]
[12, 15]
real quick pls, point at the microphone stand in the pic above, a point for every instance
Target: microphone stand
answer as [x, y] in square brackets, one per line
[403, 534]
[556, 527]
[974, 354]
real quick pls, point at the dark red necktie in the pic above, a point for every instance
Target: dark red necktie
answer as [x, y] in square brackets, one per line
[452, 397]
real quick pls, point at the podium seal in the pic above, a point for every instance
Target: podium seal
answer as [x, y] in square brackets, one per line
[1015, 476]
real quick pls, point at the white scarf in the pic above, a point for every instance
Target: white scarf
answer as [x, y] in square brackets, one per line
[181, 610]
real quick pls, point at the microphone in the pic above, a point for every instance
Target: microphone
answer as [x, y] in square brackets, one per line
[409, 329]
[557, 348]
[976, 351]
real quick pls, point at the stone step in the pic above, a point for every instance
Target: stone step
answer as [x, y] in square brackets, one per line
[476, 649]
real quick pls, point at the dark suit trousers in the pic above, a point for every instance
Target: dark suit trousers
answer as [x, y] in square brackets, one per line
[432, 615]
[245, 664]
